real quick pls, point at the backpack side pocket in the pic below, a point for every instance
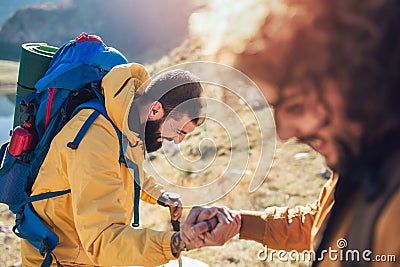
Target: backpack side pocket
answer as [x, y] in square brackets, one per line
[13, 180]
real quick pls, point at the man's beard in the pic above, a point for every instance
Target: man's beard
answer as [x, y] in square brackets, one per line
[346, 155]
[345, 152]
[152, 134]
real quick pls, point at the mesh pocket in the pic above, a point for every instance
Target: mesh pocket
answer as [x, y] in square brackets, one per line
[13, 181]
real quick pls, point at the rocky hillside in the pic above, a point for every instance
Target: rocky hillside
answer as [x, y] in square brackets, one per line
[142, 30]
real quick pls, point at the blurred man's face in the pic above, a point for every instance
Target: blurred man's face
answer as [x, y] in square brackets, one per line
[315, 119]
[170, 129]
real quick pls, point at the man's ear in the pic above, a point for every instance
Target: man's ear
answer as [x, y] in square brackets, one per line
[156, 111]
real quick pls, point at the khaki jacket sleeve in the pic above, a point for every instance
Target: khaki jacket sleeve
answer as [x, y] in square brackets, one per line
[290, 228]
[386, 242]
[101, 201]
[280, 228]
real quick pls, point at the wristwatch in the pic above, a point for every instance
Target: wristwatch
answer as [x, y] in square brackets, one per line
[165, 196]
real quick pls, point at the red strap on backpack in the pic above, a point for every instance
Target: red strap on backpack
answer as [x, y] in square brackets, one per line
[48, 108]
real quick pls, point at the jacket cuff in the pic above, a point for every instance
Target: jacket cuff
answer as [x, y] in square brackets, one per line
[166, 246]
[253, 226]
[146, 197]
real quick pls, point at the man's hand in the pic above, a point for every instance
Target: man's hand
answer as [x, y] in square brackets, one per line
[210, 226]
[229, 223]
[198, 222]
[173, 201]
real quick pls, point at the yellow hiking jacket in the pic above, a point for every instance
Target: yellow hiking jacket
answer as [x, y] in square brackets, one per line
[93, 222]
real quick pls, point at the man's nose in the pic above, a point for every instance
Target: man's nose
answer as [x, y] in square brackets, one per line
[307, 124]
[178, 139]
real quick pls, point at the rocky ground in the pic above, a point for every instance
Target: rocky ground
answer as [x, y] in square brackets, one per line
[294, 179]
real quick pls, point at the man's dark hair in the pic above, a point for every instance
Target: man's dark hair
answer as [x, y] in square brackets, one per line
[354, 42]
[179, 93]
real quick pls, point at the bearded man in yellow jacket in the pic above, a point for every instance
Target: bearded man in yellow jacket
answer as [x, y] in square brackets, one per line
[93, 221]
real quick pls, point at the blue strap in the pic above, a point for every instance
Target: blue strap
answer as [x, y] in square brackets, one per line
[97, 104]
[85, 127]
[132, 165]
[48, 259]
[99, 108]
[44, 249]
[136, 202]
[50, 256]
[29, 226]
[48, 195]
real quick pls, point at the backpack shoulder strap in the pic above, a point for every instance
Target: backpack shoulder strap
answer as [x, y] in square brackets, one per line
[100, 109]
[85, 127]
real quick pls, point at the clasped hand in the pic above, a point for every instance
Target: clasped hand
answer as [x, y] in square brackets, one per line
[209, 226]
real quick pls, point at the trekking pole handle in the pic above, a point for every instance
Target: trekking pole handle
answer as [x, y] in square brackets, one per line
[176, 225]
[172, 197]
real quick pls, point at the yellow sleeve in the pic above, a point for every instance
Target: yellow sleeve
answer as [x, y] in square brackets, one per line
[101, 200]
[151, 190]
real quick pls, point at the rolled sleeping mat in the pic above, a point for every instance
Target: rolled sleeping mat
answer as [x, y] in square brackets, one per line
[34, 62]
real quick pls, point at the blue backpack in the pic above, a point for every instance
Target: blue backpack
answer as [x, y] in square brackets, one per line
[71, 83]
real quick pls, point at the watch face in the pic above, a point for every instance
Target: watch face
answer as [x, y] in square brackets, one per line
[172, 196]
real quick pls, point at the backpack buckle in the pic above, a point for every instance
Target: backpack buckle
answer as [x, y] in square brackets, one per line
[27, 108]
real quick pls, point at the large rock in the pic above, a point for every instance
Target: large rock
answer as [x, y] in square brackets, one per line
[142, 30]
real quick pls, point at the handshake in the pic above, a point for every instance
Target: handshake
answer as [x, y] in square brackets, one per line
[206, 227]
